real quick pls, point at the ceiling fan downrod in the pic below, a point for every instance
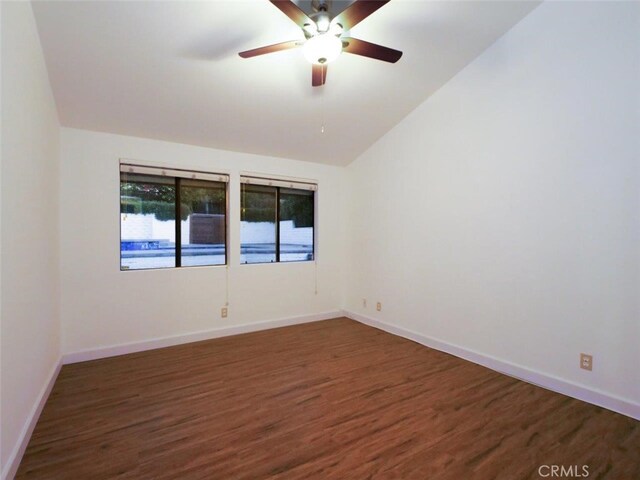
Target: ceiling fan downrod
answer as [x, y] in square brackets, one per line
[321, 17]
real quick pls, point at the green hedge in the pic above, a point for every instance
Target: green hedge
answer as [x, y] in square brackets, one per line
[163, 211]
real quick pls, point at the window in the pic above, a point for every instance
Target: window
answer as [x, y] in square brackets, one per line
[277, 221]
[171, 218]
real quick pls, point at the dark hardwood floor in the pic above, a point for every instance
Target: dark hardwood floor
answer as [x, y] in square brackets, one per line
[332, 399]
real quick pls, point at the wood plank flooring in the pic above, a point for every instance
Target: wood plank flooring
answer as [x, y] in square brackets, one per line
[329, 400]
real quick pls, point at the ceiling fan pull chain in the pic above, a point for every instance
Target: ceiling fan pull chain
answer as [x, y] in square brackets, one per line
[322, 111]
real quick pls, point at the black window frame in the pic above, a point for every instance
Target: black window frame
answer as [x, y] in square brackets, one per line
[177, 183]
[278, 220]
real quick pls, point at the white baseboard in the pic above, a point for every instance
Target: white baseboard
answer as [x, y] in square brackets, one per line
[11, 467]
[550, 382]
[121, 349]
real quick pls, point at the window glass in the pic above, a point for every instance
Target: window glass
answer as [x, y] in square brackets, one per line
[147, 222]
[150, 236]
[296, 225]
[258, 224]
[203, 223]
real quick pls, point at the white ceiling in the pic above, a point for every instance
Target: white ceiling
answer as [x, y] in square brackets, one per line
[170, 71]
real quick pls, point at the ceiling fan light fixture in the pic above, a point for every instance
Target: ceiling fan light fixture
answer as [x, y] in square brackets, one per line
[322, 49]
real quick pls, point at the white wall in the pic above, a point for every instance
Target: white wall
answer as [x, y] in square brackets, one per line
[2, 460]
[30, 157]
[503, 214]
[102, 306]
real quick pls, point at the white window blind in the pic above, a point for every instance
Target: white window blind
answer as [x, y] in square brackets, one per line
[279, 182]
[173, 172]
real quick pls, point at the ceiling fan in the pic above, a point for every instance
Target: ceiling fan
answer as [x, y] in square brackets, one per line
[323, 35]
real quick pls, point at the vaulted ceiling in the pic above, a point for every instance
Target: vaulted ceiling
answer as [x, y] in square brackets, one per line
[170, 71]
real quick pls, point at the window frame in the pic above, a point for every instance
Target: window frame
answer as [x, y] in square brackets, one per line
[177, 215]
[278, 185]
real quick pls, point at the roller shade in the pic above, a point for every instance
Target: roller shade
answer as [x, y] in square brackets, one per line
[173, 172]
[278, 182]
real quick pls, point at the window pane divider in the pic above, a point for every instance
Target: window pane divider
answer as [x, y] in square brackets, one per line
[178, 224]
[277, 224]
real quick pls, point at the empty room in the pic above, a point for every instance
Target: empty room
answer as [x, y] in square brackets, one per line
[320, 239]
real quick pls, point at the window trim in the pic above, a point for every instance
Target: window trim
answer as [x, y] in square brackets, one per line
[286, 182]
[126, 167]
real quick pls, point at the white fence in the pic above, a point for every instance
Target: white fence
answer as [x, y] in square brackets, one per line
[146, 227]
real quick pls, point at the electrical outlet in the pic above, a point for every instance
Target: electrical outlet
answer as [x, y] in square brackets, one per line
[586, 361]
[378, 306]
[364, 303]
[224, 312]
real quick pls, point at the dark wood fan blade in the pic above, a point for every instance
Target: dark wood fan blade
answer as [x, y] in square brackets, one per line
[292, 11]
[358, 11]
[371, 50]
[318, 75]
[271, 48]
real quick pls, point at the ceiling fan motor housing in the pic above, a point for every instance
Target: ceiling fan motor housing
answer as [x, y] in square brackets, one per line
[318, 5]
[322, 20]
